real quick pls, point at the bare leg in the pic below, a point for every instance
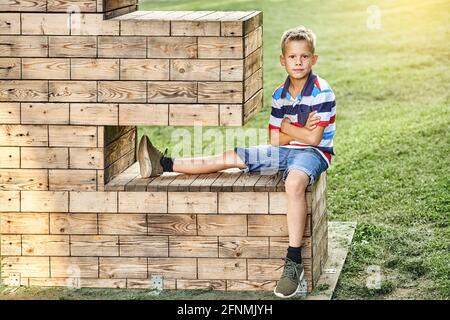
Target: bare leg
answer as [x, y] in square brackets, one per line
[295, 186]
[228, 159]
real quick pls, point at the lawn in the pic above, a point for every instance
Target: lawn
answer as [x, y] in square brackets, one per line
[391, 170]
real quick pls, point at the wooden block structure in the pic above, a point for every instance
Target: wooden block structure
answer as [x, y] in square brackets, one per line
[76, 79]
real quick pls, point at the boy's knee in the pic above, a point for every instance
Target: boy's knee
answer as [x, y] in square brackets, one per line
[296, 183]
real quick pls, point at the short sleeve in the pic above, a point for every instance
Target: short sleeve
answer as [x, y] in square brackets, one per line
[325, 105]
[276, 115]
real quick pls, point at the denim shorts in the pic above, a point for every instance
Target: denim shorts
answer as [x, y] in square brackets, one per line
[269, 159]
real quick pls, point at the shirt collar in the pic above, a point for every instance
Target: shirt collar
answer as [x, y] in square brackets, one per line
[307, 88]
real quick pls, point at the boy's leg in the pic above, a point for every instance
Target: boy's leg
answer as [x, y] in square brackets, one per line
[295, 188]
[198, 165]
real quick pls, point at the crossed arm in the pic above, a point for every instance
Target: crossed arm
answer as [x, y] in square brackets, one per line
[311, 133]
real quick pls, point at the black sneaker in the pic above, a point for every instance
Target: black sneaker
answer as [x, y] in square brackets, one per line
[290, 281]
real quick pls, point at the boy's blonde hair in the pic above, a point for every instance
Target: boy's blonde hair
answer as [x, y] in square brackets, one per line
[299, 33]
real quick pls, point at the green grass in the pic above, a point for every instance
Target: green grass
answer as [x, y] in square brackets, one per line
[391, 170]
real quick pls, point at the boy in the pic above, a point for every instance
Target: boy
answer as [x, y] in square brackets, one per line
[301, 130]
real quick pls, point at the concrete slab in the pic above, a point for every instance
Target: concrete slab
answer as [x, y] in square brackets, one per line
[340, 236]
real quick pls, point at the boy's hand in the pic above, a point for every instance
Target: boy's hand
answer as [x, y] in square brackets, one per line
[312, 121]
[284, 122]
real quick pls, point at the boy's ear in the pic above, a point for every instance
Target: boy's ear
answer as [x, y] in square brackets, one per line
[315, 58]
[282, 60]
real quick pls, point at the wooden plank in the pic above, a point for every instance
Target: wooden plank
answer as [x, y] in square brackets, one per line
[44, 113]
[10, 68]
[173, 268]
[115, 4]
[160, 182]
[78, 267]
[72, 180]
[231, 28]
[71, 46]
[253, 106]
[270, 269]
[272, 226]
[220, 92]
[73, 136]
[143, 114]
[23, 46]
[195, 28]
[138, 202]
[253, 21]
[203, 182]
[144, 69]
[222, 269]
[11, 245]
[198, 69]
[171, 224]
[73, 223]
[92, 25]
[244, 285]
[119, 182]
[220, 48]
[122, 47]
[64, 5]
[189, 114]
[172, 92]
[94, 114]
[253, 84]
[94, 69]
[23, 223]
[9, 112]
[23, 90]
[86, 158]
[120, 165]
[94, 245]
[268, 182]
[144, 28]
[122, 91]
[120, 146]
[243, 247]
[279, 245]
[72, 91]
[122, 224]
[9, 201]
[232, 70]
[243, 203]
[253, 62]
[44, 201]
[193, 246]
[252, 41]
[246, 182]
[222, 225]
[134, 268]
[279, 202]
[23, 5]
[192, 202]
[45, 245]
[82, 283]
[172, 47]
[201, 284]
[225, 181]
[45, 24]
[9, 23]
[35, 157]
[26, 266]
[144, 246]
[23, 135]
[9, 157]
[24, 179]
[93, 201]
[138, 183]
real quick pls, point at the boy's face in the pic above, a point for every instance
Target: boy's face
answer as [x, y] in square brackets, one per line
[298, 59]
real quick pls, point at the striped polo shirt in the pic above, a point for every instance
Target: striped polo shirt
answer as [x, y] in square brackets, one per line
[316, 95]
